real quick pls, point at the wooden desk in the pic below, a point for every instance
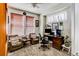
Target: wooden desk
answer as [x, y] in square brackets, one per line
[57, 42]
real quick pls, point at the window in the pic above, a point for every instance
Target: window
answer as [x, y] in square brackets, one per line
[30, 25]
[57, 17]
[16, 24]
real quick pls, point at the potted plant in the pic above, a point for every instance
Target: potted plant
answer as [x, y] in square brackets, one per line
[67, 42]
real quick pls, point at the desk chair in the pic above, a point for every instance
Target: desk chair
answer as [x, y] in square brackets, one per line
[44, 43]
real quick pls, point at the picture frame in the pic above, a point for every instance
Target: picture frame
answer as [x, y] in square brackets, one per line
[37, 23]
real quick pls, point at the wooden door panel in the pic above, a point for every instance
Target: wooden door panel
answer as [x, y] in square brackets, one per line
[2, 29]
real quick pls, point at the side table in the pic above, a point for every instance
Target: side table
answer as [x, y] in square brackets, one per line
[65, 47]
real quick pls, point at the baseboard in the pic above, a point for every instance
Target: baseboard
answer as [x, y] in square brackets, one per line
[75, 54]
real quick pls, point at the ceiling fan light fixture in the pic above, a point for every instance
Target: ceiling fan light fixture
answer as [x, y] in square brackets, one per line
[35, 5]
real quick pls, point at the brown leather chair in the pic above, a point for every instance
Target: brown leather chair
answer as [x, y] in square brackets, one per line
[26, 40]
[34, 38]
[14, 43]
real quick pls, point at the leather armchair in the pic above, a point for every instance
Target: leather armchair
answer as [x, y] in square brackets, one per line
[14, 43]
[34, 38]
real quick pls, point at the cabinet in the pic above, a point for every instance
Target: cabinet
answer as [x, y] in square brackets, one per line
[57, 42]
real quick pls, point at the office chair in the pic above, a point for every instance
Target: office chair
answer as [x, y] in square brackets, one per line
[44, 43]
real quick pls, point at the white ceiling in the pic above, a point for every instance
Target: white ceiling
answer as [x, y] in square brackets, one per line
[43, 8]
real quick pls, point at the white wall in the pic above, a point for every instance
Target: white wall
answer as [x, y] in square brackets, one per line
[72, 31]
[41, 24]
[67, 24]
[76, 29]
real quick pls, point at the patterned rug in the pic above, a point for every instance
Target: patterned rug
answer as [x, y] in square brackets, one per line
[35, 51]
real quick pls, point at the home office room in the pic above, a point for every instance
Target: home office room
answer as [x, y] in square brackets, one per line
[33, 28]
[39, 29]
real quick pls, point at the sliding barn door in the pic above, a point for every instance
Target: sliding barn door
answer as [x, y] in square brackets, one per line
[3, 48]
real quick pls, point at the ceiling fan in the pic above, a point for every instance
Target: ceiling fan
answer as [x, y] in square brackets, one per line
[35, 5]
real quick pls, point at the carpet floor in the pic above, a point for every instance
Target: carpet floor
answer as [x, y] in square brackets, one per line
[35, 51]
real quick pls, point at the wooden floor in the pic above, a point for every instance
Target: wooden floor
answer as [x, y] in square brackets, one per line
[35, 51]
